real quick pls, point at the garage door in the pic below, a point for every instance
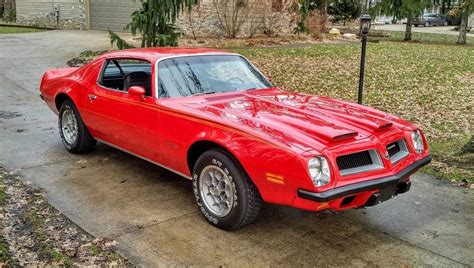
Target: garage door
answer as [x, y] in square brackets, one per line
[111, 14]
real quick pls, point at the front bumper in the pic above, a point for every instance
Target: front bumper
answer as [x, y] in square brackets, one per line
[356, 188]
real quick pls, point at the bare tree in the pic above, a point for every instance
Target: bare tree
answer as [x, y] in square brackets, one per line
[257, 16]
[280, 11]
[324, 14]
[195, 18]
[465, 9]
[232, 15]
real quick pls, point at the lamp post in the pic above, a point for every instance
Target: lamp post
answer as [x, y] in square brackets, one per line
[365, 27]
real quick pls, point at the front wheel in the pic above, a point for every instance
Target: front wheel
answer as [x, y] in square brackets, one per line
[74, 134]
[427, 24]
[445, 23]
[225, 195]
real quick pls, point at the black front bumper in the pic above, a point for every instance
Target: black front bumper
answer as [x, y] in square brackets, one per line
[355, 188]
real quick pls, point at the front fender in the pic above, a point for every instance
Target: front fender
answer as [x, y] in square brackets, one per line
[276, 172]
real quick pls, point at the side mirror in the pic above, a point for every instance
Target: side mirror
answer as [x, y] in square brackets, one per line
[136, 91]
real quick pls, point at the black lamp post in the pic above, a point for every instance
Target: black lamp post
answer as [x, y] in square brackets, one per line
[365, 27]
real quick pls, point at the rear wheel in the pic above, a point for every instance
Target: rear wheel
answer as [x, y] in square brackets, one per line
[445, 23]
[74, 134]
[225, 195]
[427, 24]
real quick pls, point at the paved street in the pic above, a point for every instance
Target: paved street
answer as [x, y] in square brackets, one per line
[151, 212]
[437, 29]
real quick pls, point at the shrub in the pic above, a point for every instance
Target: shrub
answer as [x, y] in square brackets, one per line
[9, 15]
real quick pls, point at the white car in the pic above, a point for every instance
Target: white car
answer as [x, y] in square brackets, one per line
[384, 20]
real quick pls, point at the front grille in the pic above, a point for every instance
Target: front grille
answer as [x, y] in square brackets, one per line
[354, 160]
[393, 148]
[397, 151]
[358, 162]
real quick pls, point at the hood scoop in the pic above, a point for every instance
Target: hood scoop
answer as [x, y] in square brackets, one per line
[384, 126]
[345, 136]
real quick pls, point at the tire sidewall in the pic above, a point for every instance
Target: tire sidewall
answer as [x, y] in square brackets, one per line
[236, 178]
[68, 105]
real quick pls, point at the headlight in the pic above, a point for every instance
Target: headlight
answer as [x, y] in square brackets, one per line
[417, 141]
[319, 171]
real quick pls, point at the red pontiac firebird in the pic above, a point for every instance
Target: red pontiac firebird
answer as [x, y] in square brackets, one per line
[213, 117]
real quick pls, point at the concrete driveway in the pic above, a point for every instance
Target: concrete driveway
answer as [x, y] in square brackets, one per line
[151, 212]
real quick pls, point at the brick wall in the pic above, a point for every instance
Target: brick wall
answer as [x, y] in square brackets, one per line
[253, 18]
[72, 13]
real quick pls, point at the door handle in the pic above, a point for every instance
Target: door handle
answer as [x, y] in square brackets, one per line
[92, 97]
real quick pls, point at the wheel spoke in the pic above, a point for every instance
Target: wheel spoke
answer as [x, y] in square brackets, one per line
[216, 190]
[69, 128]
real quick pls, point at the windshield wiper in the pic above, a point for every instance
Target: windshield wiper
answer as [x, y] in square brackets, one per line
[203, 93]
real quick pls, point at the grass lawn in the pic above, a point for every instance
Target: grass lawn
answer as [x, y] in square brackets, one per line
[14, 30]
[431, 85]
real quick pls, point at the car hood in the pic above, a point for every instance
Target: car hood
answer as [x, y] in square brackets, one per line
[294, 119]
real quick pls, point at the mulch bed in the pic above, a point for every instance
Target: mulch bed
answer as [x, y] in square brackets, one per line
[33, 233]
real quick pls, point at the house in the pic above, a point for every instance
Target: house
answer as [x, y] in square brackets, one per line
[76, 14]
[256, 15]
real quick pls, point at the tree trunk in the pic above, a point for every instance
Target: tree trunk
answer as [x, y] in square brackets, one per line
[408, 29]
[324, 13]
[462, 28]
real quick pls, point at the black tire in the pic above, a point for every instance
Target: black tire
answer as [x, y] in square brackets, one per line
[246, 199]
[84, 142]
[427, 24]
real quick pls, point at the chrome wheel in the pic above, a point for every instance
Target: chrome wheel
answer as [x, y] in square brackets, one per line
[217, 190]
[69, 126]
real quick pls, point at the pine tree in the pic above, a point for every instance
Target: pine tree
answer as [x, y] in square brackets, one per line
[344, 10]
[155, 21]
[409, 9]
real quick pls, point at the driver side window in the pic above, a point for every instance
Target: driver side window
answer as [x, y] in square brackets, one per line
[121, 74]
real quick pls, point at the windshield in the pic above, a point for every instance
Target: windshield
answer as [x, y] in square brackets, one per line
[207, 74]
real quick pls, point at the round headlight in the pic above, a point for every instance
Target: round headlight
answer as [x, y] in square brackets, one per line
[319, 171]
[417, 141]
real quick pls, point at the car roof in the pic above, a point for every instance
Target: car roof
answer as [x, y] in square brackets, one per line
[154, 54]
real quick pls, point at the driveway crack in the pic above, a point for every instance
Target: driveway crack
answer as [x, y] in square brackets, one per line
[137, 228]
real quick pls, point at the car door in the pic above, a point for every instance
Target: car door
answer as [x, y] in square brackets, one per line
[119, 119]
[439, 20]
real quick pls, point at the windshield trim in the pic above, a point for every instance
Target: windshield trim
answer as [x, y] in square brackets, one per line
[201, 55]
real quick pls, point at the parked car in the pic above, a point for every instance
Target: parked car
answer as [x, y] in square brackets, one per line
[212, 117]
[431, 19]
[454, 19]
[385, 20]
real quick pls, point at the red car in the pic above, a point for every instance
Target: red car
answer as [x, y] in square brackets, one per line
[215, 119]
